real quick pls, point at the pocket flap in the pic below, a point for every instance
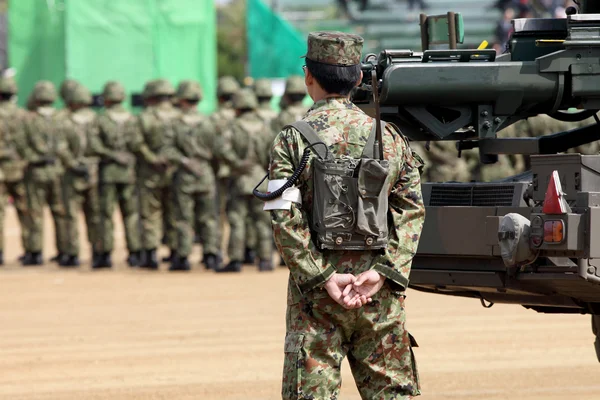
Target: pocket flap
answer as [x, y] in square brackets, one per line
[293, 342]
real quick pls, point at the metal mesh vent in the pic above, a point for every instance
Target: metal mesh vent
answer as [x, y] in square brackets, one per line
[477, 196]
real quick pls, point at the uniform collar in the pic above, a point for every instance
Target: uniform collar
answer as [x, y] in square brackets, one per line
[332, 103]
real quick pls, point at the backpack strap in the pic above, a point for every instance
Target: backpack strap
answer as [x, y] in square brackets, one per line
[311, 137]
[369, 150]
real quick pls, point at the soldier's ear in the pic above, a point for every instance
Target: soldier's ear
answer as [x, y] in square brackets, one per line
[360, 78]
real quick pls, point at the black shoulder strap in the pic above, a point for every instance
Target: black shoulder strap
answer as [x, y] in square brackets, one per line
[369, 150]
[311, 137]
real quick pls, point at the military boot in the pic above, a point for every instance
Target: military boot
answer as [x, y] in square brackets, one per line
[171, 258]
[212, 262]
[249, 256]
[180, 264]
[32, 258]
[150, 261]
[233, 266]
[134, 258]
[58, 258]
[265, 265]
[1, 258]
[102, 261]
[70, 261]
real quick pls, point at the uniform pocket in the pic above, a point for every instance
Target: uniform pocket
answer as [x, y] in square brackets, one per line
[373, 198]
[292, 365]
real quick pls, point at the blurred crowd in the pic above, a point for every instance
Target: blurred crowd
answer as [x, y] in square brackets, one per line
[177, 176]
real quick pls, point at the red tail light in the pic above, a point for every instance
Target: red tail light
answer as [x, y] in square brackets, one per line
[554, 203]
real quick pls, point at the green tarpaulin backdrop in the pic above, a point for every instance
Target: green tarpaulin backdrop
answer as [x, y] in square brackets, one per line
[132, 41]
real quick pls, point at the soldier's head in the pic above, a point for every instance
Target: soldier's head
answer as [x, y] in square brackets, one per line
[80, 97]
[226, 88]
[113, 93]
[66, 88]
[263, 90]
[8, 88]
[160, 91]
[332, 64]
[295, 91]
[189, 94]
[243, 101]
[44, 94]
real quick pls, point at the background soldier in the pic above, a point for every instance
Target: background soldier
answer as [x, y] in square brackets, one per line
[294, 110]
[194, 184]
[11, 121]
[115, 146]
[79, 186]
[39, 144]
[247, 155]
[323, 326]
[157, 127]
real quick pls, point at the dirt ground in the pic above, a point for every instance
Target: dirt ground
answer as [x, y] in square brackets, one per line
[130, 334]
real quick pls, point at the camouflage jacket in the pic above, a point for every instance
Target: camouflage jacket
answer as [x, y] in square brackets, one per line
[156, 127]
[222, 120]
[246, 153]
[292, 113]
[266, 113]
[195, 140]
[116, 139]
[344, 128]
[40, 143]
[11, 125]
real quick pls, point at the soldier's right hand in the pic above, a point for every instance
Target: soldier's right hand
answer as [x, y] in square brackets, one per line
[193, 166]
[337, 285]
[124, 158]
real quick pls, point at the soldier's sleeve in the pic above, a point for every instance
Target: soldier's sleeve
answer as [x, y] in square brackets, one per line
[63, 149]
[290, 228]
[22, 142]
[408, 214]
[225, 149]
[174, 153]
[96, 146]
[138, 145]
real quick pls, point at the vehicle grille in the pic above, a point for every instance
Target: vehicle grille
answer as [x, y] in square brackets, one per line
[477, 196]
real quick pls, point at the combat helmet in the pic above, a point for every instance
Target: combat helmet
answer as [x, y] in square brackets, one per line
[262, 88]
[44, 91]
[189, 90]
[162, 87]
[295, 85]
[227, 86]
[66, 88]
[80, 95]
[113, 91]
[244, 99]
[8, 85]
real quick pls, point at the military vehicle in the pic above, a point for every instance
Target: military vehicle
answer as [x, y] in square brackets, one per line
[532, 239]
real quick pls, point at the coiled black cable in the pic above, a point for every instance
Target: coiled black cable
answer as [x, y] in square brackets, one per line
[303, 163]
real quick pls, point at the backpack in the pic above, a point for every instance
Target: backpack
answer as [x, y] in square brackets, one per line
[350, 199]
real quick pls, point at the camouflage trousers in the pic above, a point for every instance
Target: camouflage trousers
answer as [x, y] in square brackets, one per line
[196, 209]
[40, 194]
[596, 330]
[16, 190]
[76, 201]
[251, 234]
[320, 333]
[243, 207]
[154, 202]
[125, 196]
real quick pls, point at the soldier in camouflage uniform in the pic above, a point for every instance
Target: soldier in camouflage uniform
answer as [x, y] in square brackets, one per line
[329, 315]
[156, 125]
[247, 154]
[115, 146]
[222, 120]
[11, 164]
[39, 146]
[294, 110]
[81, 175]
[194, 184]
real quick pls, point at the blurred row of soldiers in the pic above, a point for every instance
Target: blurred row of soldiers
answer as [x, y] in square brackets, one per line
[442, 163]
[174, 173]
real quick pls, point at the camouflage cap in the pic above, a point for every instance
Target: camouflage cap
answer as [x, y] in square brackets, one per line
[66, 88]
[227, 86]
[80, 95]
[244, 98]
[44, 91]
[189, 90]
[113, 91]
[262, 88]
[335, 48]
[8, 85]
[148, 89]
[295, 85]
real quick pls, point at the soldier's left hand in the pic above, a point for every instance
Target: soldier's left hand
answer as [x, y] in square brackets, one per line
[368, 283]
[337, 285]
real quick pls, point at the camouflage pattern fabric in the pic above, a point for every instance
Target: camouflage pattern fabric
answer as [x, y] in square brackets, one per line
[38, 146]
[444, 164]
[334, 48]
[194, 184]
[316, 344]
[115, 145]
[80, 192]
[247, 154]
